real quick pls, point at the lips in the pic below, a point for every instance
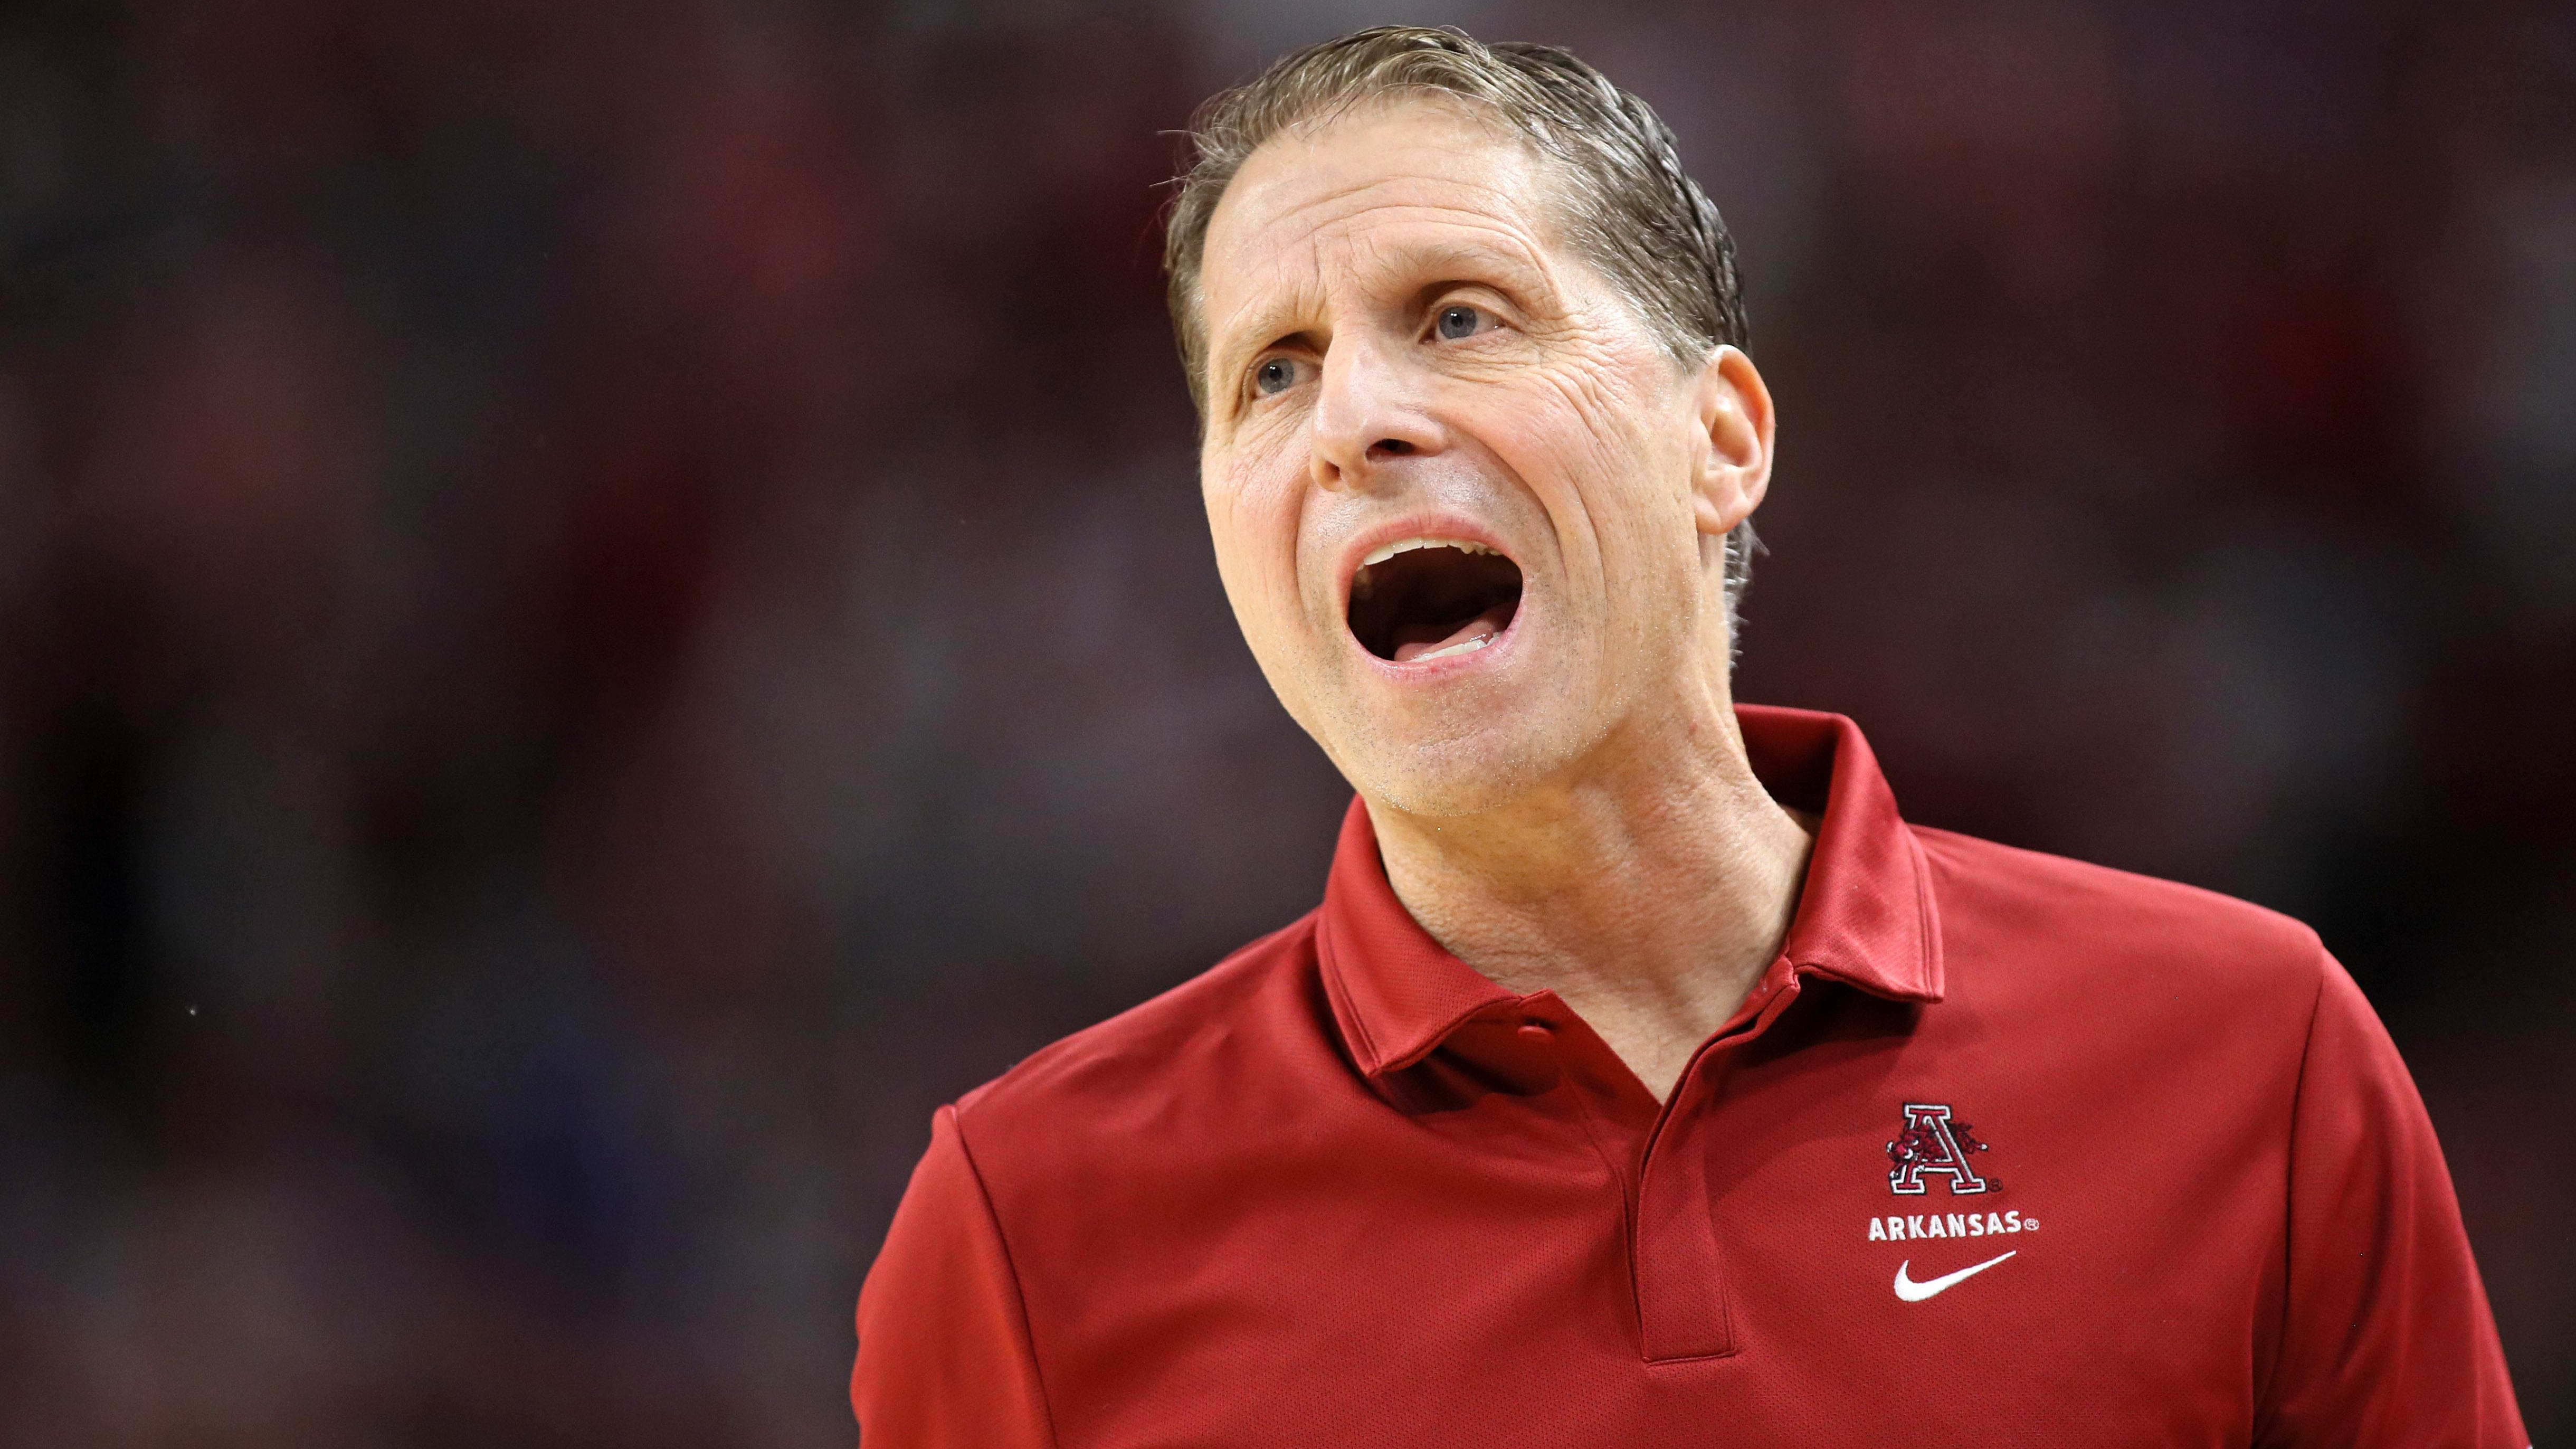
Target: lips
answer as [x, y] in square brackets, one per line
[1422, 598]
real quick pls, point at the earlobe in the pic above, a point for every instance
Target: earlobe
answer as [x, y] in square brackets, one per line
[1736, 421]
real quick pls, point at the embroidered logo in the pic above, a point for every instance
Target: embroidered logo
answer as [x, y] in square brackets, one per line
[1931, 1144]
[1913, 1292]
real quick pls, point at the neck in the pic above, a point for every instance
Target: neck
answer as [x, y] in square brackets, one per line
[1650, 893]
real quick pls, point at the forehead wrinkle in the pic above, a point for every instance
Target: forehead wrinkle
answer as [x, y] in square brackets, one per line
[1397, 264]
[1316, 211]
[1385, 264]
[1343, 207]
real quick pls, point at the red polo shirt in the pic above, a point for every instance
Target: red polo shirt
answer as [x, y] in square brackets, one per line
[2003, 1149]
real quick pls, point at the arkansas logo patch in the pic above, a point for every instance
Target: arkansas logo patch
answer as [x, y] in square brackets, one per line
[1930, 1144]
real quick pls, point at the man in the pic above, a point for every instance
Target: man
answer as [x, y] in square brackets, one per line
[1643, 1078]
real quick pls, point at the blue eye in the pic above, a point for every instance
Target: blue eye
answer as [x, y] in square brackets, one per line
[1276, 374]
[1457, 321]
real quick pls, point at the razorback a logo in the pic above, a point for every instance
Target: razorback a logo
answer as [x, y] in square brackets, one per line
[1931, 1143]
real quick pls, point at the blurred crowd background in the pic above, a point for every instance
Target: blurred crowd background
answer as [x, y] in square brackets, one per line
[602, 604]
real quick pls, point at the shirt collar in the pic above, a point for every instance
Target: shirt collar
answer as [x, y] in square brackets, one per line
[1865, 915]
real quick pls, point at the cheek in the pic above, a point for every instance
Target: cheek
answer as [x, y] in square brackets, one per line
[1252, 517]
[1610, 420]
[1584, 458]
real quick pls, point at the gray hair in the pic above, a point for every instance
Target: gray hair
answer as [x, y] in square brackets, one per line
[1632, 212]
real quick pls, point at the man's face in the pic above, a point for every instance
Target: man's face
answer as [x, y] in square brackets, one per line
[1460, 495]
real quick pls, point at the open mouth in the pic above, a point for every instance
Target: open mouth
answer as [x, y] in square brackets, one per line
[1422, 598]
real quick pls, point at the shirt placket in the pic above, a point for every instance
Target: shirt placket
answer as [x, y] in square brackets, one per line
[1674, 1255]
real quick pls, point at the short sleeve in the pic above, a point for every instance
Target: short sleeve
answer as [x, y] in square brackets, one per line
[2386, 1339]
[944, 1354]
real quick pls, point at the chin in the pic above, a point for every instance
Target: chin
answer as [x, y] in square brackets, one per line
[1480, 760]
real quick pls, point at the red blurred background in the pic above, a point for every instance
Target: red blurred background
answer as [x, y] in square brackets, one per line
[600, 605]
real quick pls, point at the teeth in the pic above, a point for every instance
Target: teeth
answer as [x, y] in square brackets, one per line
[1461, 647]
[1386, 551]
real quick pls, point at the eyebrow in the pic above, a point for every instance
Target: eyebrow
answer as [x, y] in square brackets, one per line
[1269, 327]
[1441, 262]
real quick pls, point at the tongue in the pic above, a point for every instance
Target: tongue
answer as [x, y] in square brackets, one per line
[1416, 640]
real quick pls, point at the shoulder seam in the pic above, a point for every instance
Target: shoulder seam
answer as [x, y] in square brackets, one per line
[1927, 912]
[1010, 1264]
[2298, 932]
[1076, 1041]
[2263, 1405]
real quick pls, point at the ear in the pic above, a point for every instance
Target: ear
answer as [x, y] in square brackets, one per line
[1735, 470]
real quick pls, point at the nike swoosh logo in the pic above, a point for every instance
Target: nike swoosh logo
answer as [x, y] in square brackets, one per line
[1913, 1292]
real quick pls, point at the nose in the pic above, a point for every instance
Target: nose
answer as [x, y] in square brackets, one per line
[1368, 411]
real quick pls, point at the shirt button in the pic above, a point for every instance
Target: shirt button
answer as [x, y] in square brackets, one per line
[1535, 1032]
